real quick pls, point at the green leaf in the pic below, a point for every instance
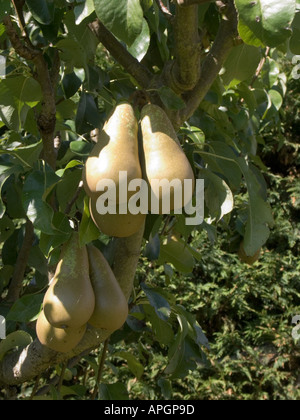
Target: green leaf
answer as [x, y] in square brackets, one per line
[88, 231]
[184, 352]
[70, 83]
[218, 196]
[26, 309]
[141, 44]
[241, 64]
[87, 117]
[81, 148]
[5, 7]
[6, 170]
[295, 39]
[72, 53]
[170, 99]
[83, 10]
[42, 10]
[37, 260]
[152, 249]
[162, 329]
[276, 99]
[111, 392]
[134, 365]
[158, 302]
[37, 186]
[124, 18]
[221, 158]
[177, 254]
[17, 96]
[14, 340]
[28, 155]
[259, 213]
[7, 228]
[265, 22]
[67, 187]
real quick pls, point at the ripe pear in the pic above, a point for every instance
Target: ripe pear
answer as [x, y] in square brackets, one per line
[248, 259]
[163, 157]
[118, 225]
[69, 301]
[115, 151]
[58, 339]
[111, 308]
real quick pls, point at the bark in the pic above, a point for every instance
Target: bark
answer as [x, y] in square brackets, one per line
[184, 72]
[225, 40]
[47, 119]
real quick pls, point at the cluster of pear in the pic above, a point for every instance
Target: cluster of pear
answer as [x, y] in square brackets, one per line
[83, 291]
[159, 157]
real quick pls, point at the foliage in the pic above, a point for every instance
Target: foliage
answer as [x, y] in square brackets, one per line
[64, 65]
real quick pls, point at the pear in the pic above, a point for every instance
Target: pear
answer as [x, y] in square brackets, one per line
[248, 259]
[118, 225]
[115, 151]
[58, 339]
[69, 301]
[163, 158]
[111, 308]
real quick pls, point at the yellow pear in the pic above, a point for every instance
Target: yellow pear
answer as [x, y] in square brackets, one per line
[111, 308]
[58, 339]
[69, 301]
[163, 157]
[116, 151]
[118, 225]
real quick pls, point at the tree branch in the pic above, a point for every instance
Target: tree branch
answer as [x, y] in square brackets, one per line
[140, 73]
[24, 365]
[187, 3]
[165, 11]
[47, 119]
[21, 264]
[183, 73]
[224, 42]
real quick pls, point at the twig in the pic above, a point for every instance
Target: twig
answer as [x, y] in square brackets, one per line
[16, 284]
[61, 376]
[73, 200]
[224, 42]
[47, 119]
[260, 66]
[35, 387]
[141, 74]
[164, 10]
[101, 362]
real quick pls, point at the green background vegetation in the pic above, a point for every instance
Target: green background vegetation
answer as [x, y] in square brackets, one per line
[203, 324]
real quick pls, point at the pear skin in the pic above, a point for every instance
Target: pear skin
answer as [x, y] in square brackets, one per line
[116, 151]
[248, 259]
[163, 157]
[118, 225]
[111, 308]
[58, 339]
[69, 301]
